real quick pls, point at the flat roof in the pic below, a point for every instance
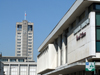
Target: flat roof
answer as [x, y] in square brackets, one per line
[14, 57]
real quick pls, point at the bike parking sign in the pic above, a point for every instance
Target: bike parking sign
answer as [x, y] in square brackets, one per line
[90, 66]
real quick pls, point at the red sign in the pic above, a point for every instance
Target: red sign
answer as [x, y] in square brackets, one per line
[80, 36]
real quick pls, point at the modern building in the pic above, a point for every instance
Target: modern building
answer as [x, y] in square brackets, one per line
[24, 39]
[74, 41]
[1, 66]
[18, 66]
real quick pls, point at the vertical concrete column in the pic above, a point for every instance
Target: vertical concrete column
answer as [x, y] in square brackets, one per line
[16, 60]
[28, 70]
[59, 50]
[8, 60]
[18, 69]
[56, 48]
[64, 48]
[9, 72]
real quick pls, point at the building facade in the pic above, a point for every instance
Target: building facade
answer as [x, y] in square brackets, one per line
[74, 41]
[1, 66]
[24, 39]
[18, 66]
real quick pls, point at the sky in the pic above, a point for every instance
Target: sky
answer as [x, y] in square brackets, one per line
[45, 14]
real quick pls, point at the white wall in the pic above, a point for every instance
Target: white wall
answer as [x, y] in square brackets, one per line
[47, 60]
[22, 69]
[84, 47]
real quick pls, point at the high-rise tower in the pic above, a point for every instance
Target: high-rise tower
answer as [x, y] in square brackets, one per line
[24, 39]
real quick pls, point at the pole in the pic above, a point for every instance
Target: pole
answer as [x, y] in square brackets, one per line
[25, 15]
[94, 69]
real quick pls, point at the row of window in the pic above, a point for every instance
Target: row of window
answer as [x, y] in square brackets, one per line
[20, 42]
[20, 46]
[20, 36]
[97, 31]
[20, 39]
[19, 27]
[12, 60]
[28, 33]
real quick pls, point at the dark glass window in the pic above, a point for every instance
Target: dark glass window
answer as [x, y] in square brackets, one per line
[21, 60]
[18, 55]
[97, 19]
[12, 60]
[98, 33]
[19, 27]
[29, 27]
[18, 52]
[4, 60]
[97, 46]
[82, 16]
[97, 6]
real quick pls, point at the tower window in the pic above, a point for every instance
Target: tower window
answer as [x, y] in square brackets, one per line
[30, 49]
[19, 27]
[30, 33]
[29, 27]
[29, 36]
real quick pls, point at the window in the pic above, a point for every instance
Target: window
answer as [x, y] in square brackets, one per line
[97, 19]
[18, 52]
[29, 36]
[30, 33]
[73, 24]
[97, 32]
[23, 70]
[18, 42]
[20, 60]
[97, 6]
[12, 60]
[82, 16]
[29, 52]
[4, 60]
[29, 45]
[29, 39]
[29, 42]
[18, 39]
[29, 55]
[29, 58]
[18, 55]
[30, 49]
[18, 45]
[29, 27]
[18, 36]
[14, 69]
[19, 27]
[18, 33]
[18, 48]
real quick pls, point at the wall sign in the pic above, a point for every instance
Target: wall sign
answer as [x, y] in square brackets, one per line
[89, 66]
[86, 22]
[83, 34]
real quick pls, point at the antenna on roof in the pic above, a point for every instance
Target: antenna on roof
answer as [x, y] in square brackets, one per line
[25, 15]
